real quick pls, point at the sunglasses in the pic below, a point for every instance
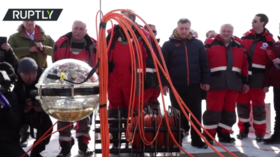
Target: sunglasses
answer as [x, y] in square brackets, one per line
[154, 31]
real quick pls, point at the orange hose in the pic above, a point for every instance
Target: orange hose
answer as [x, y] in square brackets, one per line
[165, 72]
[103, 73]
[137, 47]
[141, 99]
[182, 104]
[102, 53]
[44, 136]
[133, 65]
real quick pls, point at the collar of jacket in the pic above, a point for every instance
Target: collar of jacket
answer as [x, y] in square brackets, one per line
[176, 36]
[88, 39]
[37, 27]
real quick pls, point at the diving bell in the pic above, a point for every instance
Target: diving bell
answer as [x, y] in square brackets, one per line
[68, 90]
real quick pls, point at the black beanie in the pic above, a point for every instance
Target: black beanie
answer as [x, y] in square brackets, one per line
[26, 65]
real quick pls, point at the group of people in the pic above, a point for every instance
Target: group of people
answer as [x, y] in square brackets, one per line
[234, 72]
[225, 70]
[25, 55]
[29, 48]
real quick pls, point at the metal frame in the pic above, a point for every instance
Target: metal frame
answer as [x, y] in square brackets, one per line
[154, 151]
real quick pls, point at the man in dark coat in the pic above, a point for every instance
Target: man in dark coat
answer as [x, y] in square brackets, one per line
[187, 63]
[29, 74]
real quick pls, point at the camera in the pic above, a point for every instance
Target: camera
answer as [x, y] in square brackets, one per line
[5, 81]
[5, 86]
[33, 93]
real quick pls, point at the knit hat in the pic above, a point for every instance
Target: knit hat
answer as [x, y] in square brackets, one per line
[26, 65]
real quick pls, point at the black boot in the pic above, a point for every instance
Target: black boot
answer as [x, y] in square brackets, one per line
[225, 137]
[247, 127]
[114, 114]
[219, 132]
[83, 148]
[209, 139]
[199, 144]
[242, 135]
[274, 139]
[259, 138]
[24, 139]
[66, 148]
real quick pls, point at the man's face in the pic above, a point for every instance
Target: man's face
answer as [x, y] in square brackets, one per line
[183, 29]
[256, 23]
[127, 15]
[211, 34]
[29, 77]
[29, 25]
[226, 33]
[154, 30]
[79, 30]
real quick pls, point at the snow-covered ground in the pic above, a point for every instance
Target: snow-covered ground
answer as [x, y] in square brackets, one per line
[247, 146]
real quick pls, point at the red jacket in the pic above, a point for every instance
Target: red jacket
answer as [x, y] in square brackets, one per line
[228, 65]
[258, 55]
[62, 50]
[117, 58]
[272, 75]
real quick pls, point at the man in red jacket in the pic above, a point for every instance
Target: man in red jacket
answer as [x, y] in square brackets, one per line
[77, 45]
[272, 78]
[229, 72]
[152, 90]
[257, 42]
[120, 71]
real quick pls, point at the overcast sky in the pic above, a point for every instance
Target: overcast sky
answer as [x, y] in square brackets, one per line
[204, 14]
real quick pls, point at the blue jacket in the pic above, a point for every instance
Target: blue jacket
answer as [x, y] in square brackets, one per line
[186, 60]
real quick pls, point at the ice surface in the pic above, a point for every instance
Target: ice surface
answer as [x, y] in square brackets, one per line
[247, 146]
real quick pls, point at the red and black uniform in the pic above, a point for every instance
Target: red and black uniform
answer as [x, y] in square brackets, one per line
[253, 44]
[120, 70]
[151, 84]
[63, 49]
[229, 71]
[120, 81]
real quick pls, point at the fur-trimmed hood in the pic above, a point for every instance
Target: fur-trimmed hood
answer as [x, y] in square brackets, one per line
[20, 28]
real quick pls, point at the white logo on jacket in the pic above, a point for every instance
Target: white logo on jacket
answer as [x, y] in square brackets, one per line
[264, 46]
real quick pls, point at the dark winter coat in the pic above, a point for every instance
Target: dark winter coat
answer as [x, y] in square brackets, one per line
[10, 120]
[186, 60]
[272, 74]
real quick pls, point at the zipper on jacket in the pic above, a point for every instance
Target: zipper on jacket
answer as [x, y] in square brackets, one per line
[187, 61]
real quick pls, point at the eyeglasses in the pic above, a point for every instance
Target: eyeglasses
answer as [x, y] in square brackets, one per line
[255, 21]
